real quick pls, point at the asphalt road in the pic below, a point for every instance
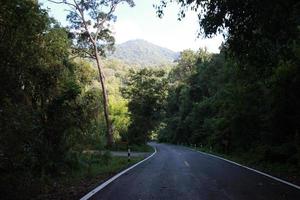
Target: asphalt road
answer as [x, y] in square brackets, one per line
[179, 173]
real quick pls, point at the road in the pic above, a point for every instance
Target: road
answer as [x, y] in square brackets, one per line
[176, 172]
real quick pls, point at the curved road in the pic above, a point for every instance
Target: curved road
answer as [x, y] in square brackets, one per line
[179, 173]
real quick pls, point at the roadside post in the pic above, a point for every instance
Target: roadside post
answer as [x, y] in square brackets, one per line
[128, 154]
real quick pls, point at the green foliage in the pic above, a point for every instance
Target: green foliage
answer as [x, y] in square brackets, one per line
[91, 36]
[90, 22]
[146, 91]
[244, 100]
[254, 32]
[50, 108]
[232, 110]
[74, 183]
[123, 146]
[120, 116]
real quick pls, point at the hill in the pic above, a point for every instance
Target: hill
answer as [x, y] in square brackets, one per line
[143, 53]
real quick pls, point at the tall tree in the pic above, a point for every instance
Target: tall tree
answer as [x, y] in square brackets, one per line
[90, 27]
[40, 98]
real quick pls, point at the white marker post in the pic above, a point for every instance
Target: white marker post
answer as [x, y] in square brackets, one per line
[128, 154]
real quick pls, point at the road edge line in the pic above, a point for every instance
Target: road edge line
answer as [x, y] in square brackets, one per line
[249, 168]
[103, 185]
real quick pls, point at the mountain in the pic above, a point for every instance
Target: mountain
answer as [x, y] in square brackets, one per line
[143, 53]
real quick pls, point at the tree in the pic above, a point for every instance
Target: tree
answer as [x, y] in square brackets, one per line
[254, 32]
[90, 27]
[146, 91]
[187, 64]
[50, 108]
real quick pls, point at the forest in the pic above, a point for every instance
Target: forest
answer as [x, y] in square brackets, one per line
[243, 102]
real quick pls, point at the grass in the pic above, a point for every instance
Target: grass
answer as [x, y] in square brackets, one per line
[142, 148]
[134, 148]
[282, 170]
[92, 171]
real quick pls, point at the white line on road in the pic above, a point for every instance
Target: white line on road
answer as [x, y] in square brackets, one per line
[186, 163]
[103, 185]
[254, 170]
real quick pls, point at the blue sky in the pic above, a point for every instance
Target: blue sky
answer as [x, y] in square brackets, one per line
[141, 22]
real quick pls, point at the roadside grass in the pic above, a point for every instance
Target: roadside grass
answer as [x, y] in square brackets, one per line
[92, 171]
[281, 170]
[135, 148]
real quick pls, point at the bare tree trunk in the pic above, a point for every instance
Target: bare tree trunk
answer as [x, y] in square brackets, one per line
[109, 132]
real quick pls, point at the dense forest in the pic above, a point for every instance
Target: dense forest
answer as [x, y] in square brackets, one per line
[243, 101]
[50, 101]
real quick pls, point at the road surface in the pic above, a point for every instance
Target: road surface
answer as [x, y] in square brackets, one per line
[176, 172]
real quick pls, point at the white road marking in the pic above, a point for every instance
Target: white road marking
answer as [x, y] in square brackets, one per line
[254, 170]
[103, 185]
[186, 163]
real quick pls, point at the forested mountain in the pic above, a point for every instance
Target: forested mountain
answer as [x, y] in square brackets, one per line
[143, 53]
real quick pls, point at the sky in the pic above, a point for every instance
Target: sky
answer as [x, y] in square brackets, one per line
[141, 22]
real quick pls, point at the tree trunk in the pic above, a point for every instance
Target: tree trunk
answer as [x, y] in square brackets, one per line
[109, 132]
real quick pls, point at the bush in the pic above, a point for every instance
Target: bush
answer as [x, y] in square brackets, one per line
[106, 157]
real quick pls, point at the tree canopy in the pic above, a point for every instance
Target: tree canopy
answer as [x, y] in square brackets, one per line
[146, 91]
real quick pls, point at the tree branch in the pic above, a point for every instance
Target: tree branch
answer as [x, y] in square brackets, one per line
[62, 2]
[101, 24]
[81, 12]
[82, 50]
